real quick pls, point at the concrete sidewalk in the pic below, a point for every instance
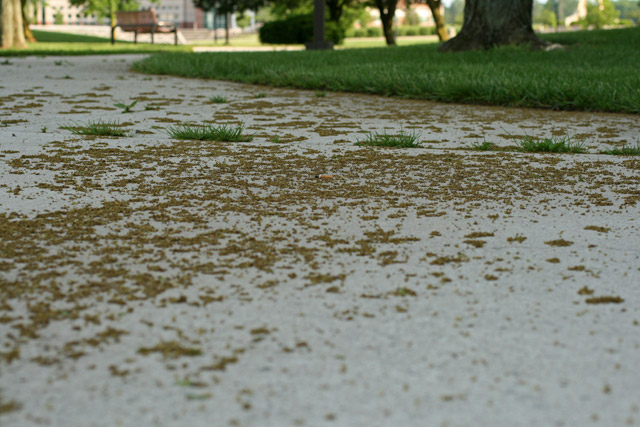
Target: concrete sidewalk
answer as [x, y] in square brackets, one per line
[150, 281]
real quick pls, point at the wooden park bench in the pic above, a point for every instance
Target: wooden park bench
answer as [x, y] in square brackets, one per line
[143, 21]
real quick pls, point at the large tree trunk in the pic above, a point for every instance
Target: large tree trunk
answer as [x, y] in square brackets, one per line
[11, 29]
[490, 23]
[387, 10]
[441, 29]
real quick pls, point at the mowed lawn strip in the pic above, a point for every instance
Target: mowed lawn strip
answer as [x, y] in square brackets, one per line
[596, 71]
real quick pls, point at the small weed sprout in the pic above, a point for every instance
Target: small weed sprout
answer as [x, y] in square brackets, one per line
[551, 145]
[44, 129]
[624, 151]
[97, 128]
[126, 108]
[260, 95]
[218, 99]
[484, 146]
[321, 94]
[222, 133]
[401, 140]
[276, 140]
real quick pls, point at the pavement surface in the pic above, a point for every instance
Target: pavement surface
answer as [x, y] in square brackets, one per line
[151, 281]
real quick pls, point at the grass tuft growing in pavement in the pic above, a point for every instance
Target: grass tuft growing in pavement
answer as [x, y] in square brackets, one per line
[484, 146]
[218, 99]
[624, 151]
[401, 140]
[97, 128]
[221, 133]
[551, 145]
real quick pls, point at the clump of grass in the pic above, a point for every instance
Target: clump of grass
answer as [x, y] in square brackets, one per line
[551, 145]
[97, 128]
[485, 146]
[260, 95]
[218, 99]
[222, 133]
[321, 94]
[624, 151]
[277, 140]
[401, 140]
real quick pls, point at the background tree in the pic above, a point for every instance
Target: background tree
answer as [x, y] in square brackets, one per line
[11, 26]
[341, 12]
[438, 19]
[454, 14]
[545, 14]
[599, 16]
[489, 23]
[387, 9]
[336, 8]
[26, 20]
[629, 10]
[561, 8]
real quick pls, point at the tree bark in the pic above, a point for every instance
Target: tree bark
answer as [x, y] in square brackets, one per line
[28, 35]
[226, 28]
[387, 10]
[491, 23]
[441, 29]
[113, 10]
[11, 29]
[335, 9]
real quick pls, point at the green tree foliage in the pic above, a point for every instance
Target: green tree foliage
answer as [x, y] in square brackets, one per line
[454, 14]
[228, 6]
[342, 12]
[243, 20]
[297, 29]
[561, 8]
[629, 10]
[58, 18]
[545, 15]
[411, 18]
[597, 18]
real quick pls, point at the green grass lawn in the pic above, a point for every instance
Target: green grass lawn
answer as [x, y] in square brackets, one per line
[598, 71]
[364, 42]
[242, 40]
[252, 40]
[55, 43]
